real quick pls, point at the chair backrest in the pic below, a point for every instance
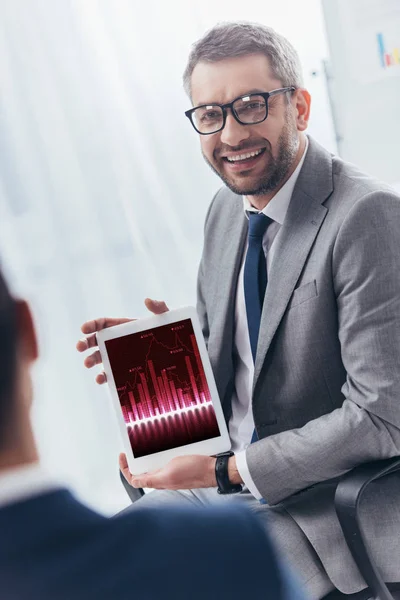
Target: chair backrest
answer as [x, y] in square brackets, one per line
[365, 594]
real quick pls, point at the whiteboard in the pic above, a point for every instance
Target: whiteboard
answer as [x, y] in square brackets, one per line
[364, 82]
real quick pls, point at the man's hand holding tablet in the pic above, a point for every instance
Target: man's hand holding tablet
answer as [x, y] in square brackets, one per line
[180, 473]
[165, 397]
[90, 328]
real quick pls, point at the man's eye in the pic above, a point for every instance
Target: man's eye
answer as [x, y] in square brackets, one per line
[210, 116]
[255, 106]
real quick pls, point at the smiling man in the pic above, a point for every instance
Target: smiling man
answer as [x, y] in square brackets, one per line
[299, 297]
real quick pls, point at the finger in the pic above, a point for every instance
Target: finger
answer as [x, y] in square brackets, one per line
[148, 481]
[86, 343]
[123, 461]
[139, 481]
[101, 378]
[127, 474]
[154, 479]
[155, 306]
[92, 360]
[95, 325]
[123, 465]
[102, 323]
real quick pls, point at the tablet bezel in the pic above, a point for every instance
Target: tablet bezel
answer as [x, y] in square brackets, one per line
[208, 447]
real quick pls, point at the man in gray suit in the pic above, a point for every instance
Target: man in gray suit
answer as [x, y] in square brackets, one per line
[299, 298]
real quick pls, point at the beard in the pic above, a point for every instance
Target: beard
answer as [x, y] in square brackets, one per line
[276, 170]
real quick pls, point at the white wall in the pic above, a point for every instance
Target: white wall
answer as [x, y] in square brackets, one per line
[103, 189]
[366, 93]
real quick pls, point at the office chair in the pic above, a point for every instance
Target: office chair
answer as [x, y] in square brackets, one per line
[349, 492]
[348, 496]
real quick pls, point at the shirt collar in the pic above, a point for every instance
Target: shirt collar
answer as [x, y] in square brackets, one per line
[26, 481]
[277, 207]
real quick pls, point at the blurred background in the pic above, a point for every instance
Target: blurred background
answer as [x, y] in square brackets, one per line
[103, 190]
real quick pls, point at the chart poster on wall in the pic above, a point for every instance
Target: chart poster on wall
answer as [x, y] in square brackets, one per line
[373, 38]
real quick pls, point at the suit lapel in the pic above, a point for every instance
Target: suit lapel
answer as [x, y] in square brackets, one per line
[220, 351]
[293, 244]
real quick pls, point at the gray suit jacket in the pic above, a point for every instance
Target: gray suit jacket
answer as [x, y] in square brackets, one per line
[326, 393]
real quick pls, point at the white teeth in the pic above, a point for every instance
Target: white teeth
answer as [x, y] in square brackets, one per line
[243, 156]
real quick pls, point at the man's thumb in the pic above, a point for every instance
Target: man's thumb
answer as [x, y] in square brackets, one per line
[156, 306]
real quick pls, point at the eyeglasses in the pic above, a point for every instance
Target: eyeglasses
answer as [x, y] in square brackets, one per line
[247, 110]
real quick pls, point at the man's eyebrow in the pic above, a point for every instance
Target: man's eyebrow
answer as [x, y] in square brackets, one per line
[254, 91]
[246, 93]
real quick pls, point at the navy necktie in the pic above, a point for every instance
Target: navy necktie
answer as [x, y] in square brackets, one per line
[255, 279]
[255, 276]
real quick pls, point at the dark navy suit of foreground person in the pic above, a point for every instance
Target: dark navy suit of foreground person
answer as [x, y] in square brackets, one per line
[53, 547]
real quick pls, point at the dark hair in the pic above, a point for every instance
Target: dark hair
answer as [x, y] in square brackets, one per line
[228, 40]
[8, 356]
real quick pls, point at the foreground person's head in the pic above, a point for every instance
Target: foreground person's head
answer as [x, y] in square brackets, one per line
[18, 351]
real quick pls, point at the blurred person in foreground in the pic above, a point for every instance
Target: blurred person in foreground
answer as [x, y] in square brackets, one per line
[54, 548]
[299, 299]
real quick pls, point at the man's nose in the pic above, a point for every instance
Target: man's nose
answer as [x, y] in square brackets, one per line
[234, 133]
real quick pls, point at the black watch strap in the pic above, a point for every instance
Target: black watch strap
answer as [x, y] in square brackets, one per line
[222, 477]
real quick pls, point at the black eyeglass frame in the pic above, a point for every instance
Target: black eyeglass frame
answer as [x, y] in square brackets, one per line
[266, 95]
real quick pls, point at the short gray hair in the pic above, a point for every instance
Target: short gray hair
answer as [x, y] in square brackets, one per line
[227, 40]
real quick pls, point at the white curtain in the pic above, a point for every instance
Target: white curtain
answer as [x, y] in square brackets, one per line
[103, 189]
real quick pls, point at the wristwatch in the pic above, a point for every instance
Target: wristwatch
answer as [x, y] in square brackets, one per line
[222, 477]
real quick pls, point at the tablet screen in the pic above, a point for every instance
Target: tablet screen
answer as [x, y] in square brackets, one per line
[162, 388]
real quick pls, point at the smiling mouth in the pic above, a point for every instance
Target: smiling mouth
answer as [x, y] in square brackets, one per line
[243, 157]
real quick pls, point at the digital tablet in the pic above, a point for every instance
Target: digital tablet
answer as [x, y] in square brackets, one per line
[163, 389]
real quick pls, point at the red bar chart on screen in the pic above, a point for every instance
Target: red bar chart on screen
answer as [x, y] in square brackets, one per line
[162, 388]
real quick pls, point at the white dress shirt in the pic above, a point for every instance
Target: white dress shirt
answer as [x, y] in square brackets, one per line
[24, 482]
[241, 424]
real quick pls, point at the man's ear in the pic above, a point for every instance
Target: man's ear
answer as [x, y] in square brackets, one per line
[302, 105]
[27, 339]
